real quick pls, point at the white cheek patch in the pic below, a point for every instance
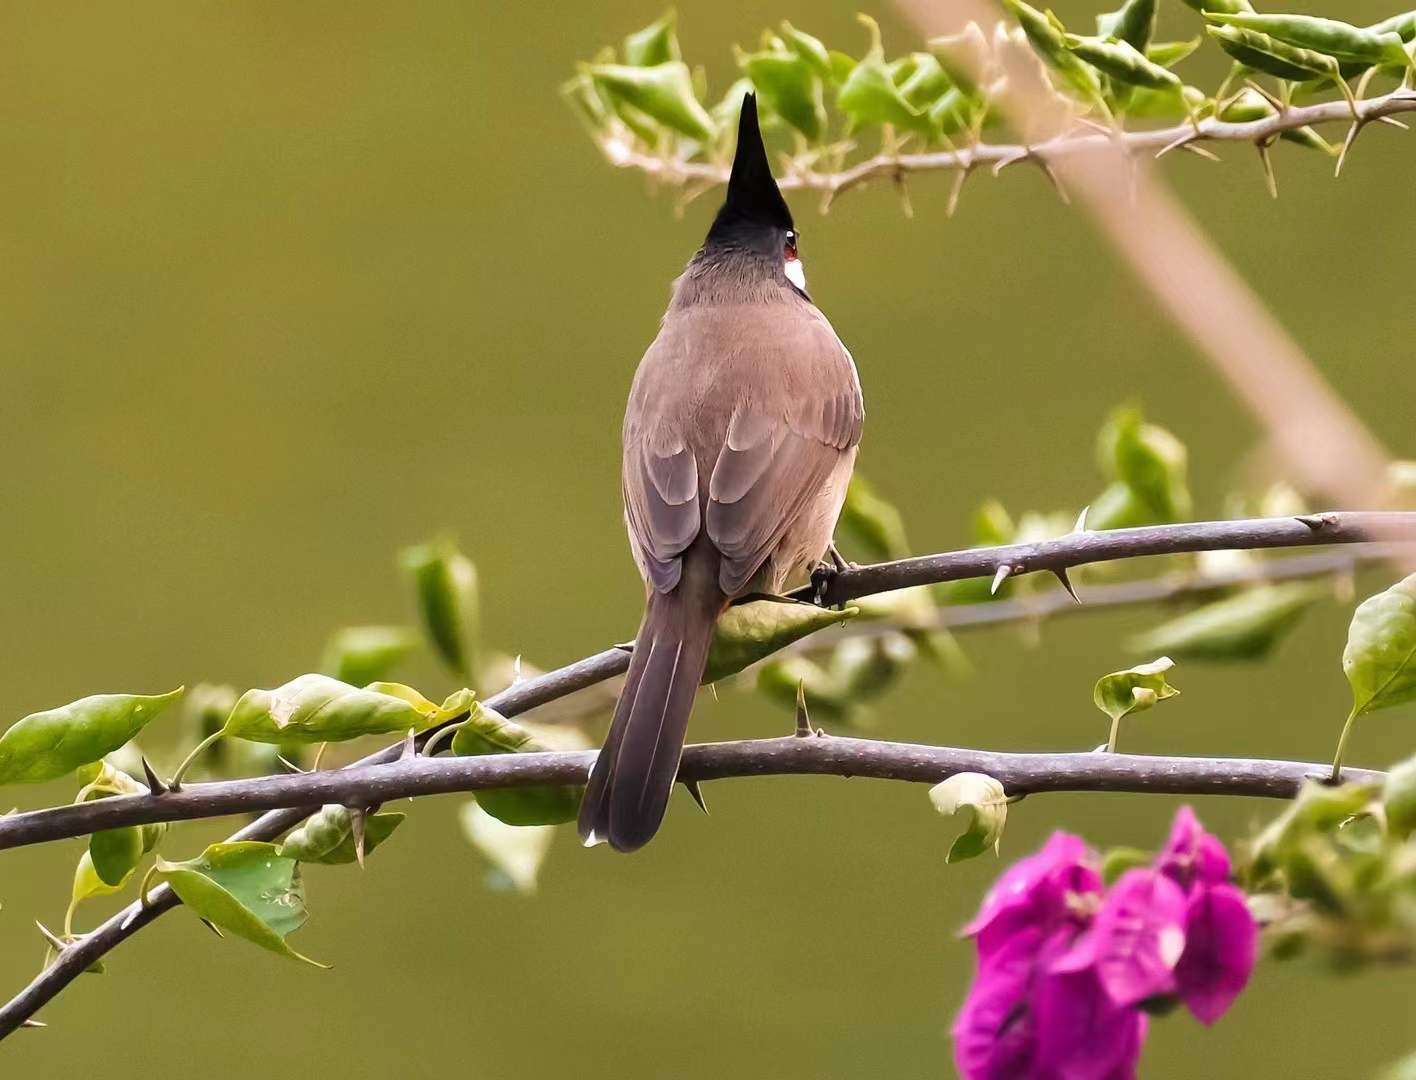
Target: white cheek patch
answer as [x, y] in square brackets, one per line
[795, 274]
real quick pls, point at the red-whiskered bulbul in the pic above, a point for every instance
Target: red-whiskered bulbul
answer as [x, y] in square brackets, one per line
[739, 440]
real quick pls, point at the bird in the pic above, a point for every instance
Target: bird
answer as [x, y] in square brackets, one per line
[740, 437]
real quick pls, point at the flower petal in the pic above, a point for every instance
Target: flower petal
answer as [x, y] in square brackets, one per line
[1192, 855]
[1221, 945]
[994, 1033]
[1037, 891]
[1081, 1033]
[1137, 938]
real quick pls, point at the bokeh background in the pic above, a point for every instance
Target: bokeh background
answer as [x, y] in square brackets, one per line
[288, 286]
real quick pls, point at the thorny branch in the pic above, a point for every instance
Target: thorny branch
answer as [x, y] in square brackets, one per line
[1019, 773]
[703, 176]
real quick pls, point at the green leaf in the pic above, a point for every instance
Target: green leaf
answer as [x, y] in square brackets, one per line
[655, 44]
[1317, 811]
[811, 50]
[993, 525]
[514, 854]
[1120, 859]
[88, 884]
[790, 87]
[1380, 658]
[47, 745]
[115, 853]
[1133, 22]
[1049, 41]
[927, 83]
[1170, 53]
[869, 95]
[446, 584]
[1273, 57]
[984, 805]
[246, 888]
[1149, 460]
[327, 837]
[747, 633]
[486, 731]
[1245, 626]
[316, 708]
[1330, 37]
[873, 522]
[1135, 689]
[663, 93]
[1399, 799]
[1125, 63]
[361, 654]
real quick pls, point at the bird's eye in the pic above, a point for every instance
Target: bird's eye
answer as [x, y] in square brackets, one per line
[790, 247]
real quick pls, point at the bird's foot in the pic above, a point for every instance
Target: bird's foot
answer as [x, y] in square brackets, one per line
[839, 561]
[821, 578]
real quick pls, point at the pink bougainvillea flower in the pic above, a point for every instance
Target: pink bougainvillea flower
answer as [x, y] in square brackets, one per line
[1047, 891]
[1221, 946]
[1082, 1034]
[1192, 856]
[1136, 940]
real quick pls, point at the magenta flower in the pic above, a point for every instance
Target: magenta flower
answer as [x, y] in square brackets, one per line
[1066, 969]
[1137, 939]
[1047, 891]
[1192, 855]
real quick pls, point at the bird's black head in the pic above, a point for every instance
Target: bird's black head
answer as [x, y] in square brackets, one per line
[754, 216]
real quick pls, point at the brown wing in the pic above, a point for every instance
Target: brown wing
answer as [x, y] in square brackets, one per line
[771, 467]
[661, 508]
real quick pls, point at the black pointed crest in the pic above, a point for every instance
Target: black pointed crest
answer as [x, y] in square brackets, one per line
[754, 201]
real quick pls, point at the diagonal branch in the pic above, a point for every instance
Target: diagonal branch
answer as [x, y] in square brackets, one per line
[1073, 550]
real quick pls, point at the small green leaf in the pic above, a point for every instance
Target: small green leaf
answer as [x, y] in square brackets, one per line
[869, 95]
[1317, 811]
[1330, 37]
[486, 731]
[514, 854]
[790, 87]
[1399, 799]
[47, 745]
[327, 837]
[655, 44]
[1170, 53]
[246, 888]
[1245, 626]
[809, 49]
[1271, 56]
[984, 804]
[446, 584]
[1133, 22]
[663, 92]
[1049, 40]
[361, 654]
[88, 884]
[1120, 859]
[316, 708]
[1380, 658]
[1149, 460]
[1135, 689]
[747, 633]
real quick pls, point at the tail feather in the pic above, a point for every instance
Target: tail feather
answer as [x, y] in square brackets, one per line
[634, 775]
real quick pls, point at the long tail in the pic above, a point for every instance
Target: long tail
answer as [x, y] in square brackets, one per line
[634, 775]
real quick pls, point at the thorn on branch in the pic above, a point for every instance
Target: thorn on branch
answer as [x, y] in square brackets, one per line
[1262, 146]
[697, 793]
[803, 718]
[33, 1024]
[56, 943]
[154, 783]
[999, 576]
[1061, 574]
[357, 817]
[1316, 522]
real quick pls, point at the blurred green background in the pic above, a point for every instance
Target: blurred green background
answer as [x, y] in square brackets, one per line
[288, 286]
